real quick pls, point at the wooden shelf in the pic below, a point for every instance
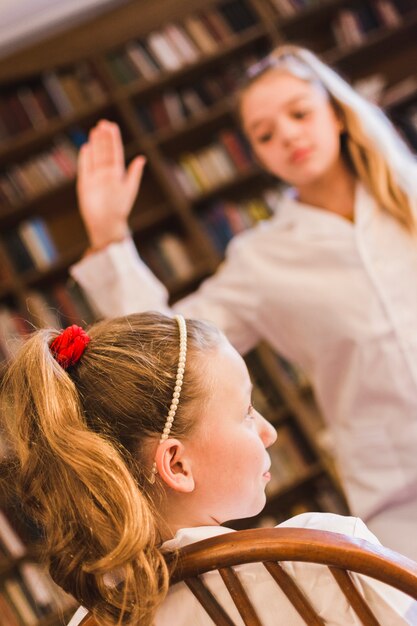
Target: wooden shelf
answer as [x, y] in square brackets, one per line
[163, 203]
[35, 276]
[241, 178]
[163, 79]
[10, 213]
[381, 38]
[303, 17]
[54, 126]
[216, 112]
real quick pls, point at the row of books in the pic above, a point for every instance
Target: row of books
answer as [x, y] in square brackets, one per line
[352, 26]
[175, 106]
[179, 44]
[169, 258]
[54, 94]
[216, 163]
[223, 219]
[59, 306]
[42, 172]
[288, 461]
[27, 592]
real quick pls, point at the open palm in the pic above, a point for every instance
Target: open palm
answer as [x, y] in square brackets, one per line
[106, 189]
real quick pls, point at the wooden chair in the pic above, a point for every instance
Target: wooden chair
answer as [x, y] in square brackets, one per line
[272, 546]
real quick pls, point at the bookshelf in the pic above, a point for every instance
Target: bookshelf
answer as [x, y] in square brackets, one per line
[176, 108]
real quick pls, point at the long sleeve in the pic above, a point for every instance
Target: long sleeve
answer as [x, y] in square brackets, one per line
[117, 282]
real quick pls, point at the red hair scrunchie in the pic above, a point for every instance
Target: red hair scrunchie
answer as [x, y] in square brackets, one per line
[69, 346]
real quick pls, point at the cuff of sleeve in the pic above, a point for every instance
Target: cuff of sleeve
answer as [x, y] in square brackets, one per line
[117, 282]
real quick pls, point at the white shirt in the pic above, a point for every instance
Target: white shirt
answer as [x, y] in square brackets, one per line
[180, 608]
[340, 300]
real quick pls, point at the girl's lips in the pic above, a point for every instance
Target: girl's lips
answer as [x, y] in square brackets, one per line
[300, 155]
[267, 475]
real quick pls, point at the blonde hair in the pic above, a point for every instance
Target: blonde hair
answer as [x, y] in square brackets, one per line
[78, 437]
[371, 145]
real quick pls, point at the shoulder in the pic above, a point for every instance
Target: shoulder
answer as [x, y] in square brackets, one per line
[344, 524]
[186, 536]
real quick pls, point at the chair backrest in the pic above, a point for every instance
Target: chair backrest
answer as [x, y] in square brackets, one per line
[272, 546]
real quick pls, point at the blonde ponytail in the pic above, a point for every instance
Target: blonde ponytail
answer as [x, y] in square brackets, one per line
[77, 436]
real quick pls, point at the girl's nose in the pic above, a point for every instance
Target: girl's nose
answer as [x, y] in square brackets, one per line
[267, 432]
[288, 131]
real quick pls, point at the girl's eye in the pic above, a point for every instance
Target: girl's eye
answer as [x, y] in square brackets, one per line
[264, 138]
[250, 415]
[300, 115]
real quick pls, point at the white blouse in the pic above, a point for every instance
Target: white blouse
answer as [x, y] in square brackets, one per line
[340, 300]
[180, 608]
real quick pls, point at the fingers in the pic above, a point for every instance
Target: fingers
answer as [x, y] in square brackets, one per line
[106, 147]
[134, 175]
[84, 164]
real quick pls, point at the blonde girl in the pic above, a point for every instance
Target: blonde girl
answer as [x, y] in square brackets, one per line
[140, 436]
[329, 281]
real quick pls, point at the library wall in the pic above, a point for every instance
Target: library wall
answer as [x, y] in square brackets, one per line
[169, 84]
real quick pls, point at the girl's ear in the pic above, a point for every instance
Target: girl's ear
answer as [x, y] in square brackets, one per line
[174, 466]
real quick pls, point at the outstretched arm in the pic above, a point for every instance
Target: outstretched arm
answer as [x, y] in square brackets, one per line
[106, 189]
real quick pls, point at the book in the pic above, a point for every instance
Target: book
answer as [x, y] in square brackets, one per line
[186, 164]
[174, 107]
[10, 539]
[202, 37]
[122, 69]
[174, 252]
[234, 146]
[218, 24]
[223, 162]
[182, 42]
[19, 114]
[33, 245]
[185, 180]
[89, 84]
[388, 13]
[35, 581]
[192, 102]
[9, 615]
[18, 598]
[57, 94]
[164, 51]
[17, 251]
[32, 107]
[142, 60]
[159, 113]
[72, 88]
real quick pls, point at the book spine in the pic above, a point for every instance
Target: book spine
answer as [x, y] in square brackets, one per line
[185, 47]
[164, 51]
[10, 539]
[199, 33]
[57, 94]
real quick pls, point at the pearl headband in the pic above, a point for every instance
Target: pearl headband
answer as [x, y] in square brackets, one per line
[177, 389]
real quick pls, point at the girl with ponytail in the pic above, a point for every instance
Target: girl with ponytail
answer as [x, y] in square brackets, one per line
[137, 437]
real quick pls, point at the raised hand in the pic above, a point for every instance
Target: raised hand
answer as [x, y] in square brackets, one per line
[106, 189]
